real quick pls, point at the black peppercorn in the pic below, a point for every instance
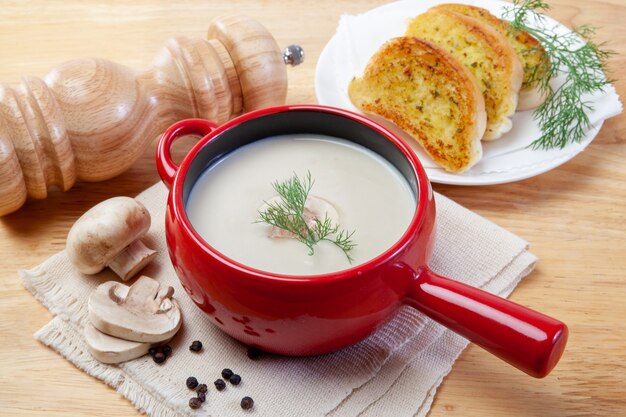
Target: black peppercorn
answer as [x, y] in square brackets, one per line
[159, 357]
[247, 403]
[202, 396]
[192, 382]
[220, 384]
[235, 379]
[195, 402]
[167, 350]
[254, 353]
[196, 346]
[226, 373]
[202, 388]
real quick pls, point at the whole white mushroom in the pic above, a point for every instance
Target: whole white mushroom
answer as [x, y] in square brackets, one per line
[109, 234]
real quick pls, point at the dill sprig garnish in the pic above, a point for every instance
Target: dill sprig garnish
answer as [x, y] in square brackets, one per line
[563, 116]
[288, 213]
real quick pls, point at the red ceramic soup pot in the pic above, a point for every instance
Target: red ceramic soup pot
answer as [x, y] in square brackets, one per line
[306, 315]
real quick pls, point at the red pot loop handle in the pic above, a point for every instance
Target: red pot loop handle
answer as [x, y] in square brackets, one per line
[190, 127]
[526, 339]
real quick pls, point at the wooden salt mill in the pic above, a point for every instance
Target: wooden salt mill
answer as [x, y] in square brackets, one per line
[91, 119]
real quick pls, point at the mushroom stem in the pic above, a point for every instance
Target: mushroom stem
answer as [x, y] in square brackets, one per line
[131, 260]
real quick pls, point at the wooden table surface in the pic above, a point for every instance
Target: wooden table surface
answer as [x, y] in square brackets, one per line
[573, 216]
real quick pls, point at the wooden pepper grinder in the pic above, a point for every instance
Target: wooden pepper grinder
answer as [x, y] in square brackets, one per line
[91, 119]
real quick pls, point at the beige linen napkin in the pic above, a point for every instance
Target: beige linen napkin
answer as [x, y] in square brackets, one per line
[396, 371]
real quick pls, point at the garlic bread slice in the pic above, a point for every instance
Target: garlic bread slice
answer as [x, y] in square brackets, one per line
[427, 93]
[528, 49]
[487, 55]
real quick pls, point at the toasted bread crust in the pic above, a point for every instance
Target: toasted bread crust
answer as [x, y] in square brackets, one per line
[487, 55]
[528, 49]
[427, 93]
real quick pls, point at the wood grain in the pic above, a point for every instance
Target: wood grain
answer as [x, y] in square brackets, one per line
[90, 119]
[573, 216]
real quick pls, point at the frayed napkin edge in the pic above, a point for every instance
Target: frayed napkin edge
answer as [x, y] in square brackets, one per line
[58, 334]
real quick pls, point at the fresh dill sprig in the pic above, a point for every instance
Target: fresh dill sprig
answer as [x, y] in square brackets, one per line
[563, 116]
[288, 213]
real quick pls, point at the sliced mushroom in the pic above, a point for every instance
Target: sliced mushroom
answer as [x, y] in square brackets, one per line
[109, 349]
[314, 208]
[143, 312]
[109, 235]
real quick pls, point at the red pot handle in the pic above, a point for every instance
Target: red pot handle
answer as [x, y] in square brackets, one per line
[191, 127]
[526, 339]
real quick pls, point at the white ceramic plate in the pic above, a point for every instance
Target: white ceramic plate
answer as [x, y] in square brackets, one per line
[504, 160]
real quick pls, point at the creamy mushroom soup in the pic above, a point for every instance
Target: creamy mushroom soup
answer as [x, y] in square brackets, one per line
[354, 188]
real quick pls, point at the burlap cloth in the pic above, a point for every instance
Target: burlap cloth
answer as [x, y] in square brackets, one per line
[396, 371]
